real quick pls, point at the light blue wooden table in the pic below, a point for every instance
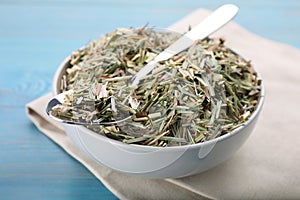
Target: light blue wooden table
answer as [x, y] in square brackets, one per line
[34, 38]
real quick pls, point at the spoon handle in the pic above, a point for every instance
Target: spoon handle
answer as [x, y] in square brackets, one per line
[210, 24]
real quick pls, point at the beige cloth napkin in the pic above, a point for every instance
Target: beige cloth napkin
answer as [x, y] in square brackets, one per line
[268, 164]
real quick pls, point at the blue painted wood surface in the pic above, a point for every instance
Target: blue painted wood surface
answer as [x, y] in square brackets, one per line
[34, 38]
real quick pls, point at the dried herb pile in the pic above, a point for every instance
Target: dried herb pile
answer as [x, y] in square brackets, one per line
[199, 94]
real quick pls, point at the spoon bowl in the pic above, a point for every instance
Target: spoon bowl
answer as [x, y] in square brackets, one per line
[154, 161]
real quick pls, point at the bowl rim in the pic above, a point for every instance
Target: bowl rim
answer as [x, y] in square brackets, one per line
[183, 147]
[64, 64]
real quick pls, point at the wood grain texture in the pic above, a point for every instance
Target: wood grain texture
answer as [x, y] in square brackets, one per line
[35, 36]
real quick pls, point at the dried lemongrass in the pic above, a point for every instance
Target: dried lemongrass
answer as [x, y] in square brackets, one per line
[200, 94]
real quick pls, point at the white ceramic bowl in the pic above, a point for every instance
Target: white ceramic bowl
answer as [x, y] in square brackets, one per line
[157, 162]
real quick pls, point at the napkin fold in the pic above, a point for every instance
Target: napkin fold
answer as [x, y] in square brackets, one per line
[266, 167]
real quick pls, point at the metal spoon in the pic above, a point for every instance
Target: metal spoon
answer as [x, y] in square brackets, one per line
[209, 25]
